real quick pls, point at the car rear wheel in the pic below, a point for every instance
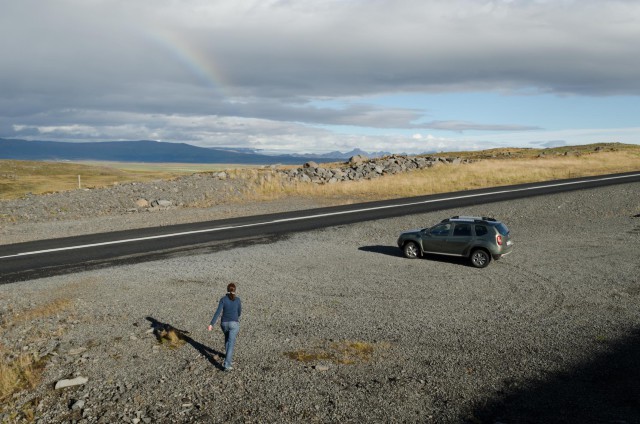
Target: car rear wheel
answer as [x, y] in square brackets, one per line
[411, 250]
[480, 258]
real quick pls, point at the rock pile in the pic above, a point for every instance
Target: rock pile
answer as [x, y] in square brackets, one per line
[360, 167]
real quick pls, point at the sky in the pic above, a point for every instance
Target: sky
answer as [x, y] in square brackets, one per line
[284, 76]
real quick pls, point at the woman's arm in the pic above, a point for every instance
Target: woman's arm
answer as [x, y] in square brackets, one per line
[216, 315]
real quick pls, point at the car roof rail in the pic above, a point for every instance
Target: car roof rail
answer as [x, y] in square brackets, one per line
[470, 218]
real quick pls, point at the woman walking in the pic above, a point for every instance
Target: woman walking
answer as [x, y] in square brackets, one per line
[231, 309]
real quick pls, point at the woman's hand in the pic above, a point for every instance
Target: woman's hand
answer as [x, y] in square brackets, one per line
[210, 327]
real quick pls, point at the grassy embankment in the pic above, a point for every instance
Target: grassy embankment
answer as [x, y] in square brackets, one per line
[18, 178]
[496, 167]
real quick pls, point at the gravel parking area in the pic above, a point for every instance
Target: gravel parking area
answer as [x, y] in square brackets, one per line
[338, 327]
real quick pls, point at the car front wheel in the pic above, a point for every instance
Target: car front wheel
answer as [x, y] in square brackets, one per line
[411, 250]
[480, 258]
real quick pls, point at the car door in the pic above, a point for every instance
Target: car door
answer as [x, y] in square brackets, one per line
[460, 238]
[434, 240]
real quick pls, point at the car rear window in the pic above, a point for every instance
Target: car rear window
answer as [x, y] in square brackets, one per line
[481, 230]
[502, 229]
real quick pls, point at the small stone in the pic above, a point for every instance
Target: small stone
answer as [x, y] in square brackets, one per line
[142, 203]
[71, 382]
[78, 405]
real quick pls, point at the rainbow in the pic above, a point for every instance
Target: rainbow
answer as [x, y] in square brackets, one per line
[191, 58]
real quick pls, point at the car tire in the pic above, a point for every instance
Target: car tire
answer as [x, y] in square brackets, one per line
[480, 258]
[411, 250]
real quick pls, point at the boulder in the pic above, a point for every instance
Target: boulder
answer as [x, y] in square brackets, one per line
[358, 159]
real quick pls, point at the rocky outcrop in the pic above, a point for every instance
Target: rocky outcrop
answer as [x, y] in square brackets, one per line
[360, 167]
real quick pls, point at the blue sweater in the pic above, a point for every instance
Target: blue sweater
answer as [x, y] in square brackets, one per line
[230, 309]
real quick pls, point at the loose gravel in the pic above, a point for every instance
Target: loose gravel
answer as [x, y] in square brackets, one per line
[338, 327]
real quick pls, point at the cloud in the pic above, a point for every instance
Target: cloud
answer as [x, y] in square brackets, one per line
[214, 71]
[334, 48]
[460, 126]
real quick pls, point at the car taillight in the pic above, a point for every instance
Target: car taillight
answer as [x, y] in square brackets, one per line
[499, 240]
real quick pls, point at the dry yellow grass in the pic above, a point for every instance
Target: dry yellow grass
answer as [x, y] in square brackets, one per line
[449, 178]
[343, 352]
[20, 373]
[22, 370]
[45, 310]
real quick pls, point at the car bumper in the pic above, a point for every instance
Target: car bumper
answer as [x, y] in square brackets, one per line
[501, 254]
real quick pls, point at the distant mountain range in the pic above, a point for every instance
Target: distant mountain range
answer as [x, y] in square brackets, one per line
[153, 152]
[331, 155]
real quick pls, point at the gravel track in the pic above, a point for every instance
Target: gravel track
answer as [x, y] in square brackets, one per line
[550, 333]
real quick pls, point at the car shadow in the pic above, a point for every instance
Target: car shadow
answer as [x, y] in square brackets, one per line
[456, 260]
[161, 329]
[397, 253]
[385, 250]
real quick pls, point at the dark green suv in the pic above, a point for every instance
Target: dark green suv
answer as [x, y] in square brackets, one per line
[478, 238]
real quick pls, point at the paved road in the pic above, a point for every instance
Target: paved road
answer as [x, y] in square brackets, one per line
[23, 261]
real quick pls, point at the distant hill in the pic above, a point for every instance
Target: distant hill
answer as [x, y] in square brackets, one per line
[331, 155]
[141, 151]
[354, 152]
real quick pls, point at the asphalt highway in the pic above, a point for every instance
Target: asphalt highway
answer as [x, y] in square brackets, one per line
[24, 261]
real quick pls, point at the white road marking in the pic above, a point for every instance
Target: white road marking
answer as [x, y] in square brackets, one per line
[275, 221]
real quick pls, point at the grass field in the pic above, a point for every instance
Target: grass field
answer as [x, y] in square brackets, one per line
[18, 178]
[493, 167]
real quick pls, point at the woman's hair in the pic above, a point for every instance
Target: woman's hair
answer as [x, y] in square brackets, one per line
[231, 291]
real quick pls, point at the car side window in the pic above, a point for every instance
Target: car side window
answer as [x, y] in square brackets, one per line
[441, 230]
[462, 230]
[481, 230]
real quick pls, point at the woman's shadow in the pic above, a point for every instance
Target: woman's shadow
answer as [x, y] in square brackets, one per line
[167, 332]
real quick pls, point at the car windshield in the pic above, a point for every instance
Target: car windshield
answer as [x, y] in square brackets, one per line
[502, 229]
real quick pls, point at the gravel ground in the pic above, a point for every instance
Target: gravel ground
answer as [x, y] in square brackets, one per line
[550, 333]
